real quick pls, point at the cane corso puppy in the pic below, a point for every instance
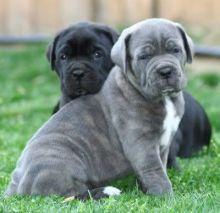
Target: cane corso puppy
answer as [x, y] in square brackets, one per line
[80, 55]
[126, 127]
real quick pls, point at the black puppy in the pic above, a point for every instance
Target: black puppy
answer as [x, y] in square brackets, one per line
[194, 132]
[80, 55]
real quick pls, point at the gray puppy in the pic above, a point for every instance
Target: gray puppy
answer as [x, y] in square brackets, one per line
[126, 127]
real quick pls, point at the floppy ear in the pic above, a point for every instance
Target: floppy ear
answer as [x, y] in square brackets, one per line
[109, 32]
[51, 52]
[119, 53]
[188, 44]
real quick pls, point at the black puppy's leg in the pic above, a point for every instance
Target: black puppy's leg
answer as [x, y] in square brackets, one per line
[96, 193]
[172, 163]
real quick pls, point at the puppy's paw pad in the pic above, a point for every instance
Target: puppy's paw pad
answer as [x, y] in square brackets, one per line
[111, 191]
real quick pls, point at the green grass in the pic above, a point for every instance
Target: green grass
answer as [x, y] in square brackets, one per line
[29, 90]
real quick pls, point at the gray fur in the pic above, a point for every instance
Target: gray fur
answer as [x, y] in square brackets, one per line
[98, 138]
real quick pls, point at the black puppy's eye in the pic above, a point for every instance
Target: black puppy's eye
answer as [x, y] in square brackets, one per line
[97, 54]
[63, 56]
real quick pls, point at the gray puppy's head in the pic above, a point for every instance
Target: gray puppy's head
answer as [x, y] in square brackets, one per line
[152, 54]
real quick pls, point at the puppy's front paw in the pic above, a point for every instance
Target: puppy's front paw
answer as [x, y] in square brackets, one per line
[158, 189]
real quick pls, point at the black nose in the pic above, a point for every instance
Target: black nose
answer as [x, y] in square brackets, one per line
[165, 72]
[78, 73]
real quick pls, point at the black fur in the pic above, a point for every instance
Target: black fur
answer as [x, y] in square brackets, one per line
[80, 55]
[94, 194]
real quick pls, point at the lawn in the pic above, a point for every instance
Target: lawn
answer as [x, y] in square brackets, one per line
[29, 90]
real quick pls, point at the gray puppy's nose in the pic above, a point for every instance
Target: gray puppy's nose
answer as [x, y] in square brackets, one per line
[78, 73]
[165, 72]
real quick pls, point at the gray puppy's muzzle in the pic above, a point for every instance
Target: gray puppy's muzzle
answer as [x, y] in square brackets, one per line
[165, 74]
[166, 70]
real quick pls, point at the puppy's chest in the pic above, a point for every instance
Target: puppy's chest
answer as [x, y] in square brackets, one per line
[170, 123]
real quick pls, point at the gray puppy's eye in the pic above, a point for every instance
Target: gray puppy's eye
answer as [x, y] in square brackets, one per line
[176, 50]
[144, 56]
[63, 56]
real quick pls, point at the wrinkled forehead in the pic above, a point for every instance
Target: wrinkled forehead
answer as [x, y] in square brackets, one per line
[84, 38]
[78, 37]
[155, 34]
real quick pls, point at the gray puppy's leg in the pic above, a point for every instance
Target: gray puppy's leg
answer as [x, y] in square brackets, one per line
[149, 168]
[47, 178]
[164, 151]
[52, 183]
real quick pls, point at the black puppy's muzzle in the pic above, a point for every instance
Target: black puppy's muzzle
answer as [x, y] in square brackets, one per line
[78, 74]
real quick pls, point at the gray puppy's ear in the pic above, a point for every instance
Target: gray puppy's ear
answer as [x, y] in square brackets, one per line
[50, 53]
[188, 44]
[119, 53]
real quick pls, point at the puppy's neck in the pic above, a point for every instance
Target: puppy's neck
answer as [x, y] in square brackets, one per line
[128, 89]
[131, 78]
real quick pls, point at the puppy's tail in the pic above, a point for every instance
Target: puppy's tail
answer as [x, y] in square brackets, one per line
[96, 193]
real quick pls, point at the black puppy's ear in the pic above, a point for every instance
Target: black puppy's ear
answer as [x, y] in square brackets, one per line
[109, 32]
[50, 54]
[188, 44]
[113, 34]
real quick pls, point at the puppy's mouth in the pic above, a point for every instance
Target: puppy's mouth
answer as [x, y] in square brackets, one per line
[80, 91]
[167, 91]
[168, 86]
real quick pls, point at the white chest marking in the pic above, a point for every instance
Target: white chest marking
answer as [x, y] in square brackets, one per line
[170, 123]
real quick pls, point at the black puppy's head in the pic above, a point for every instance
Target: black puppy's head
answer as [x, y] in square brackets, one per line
[80, 55]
